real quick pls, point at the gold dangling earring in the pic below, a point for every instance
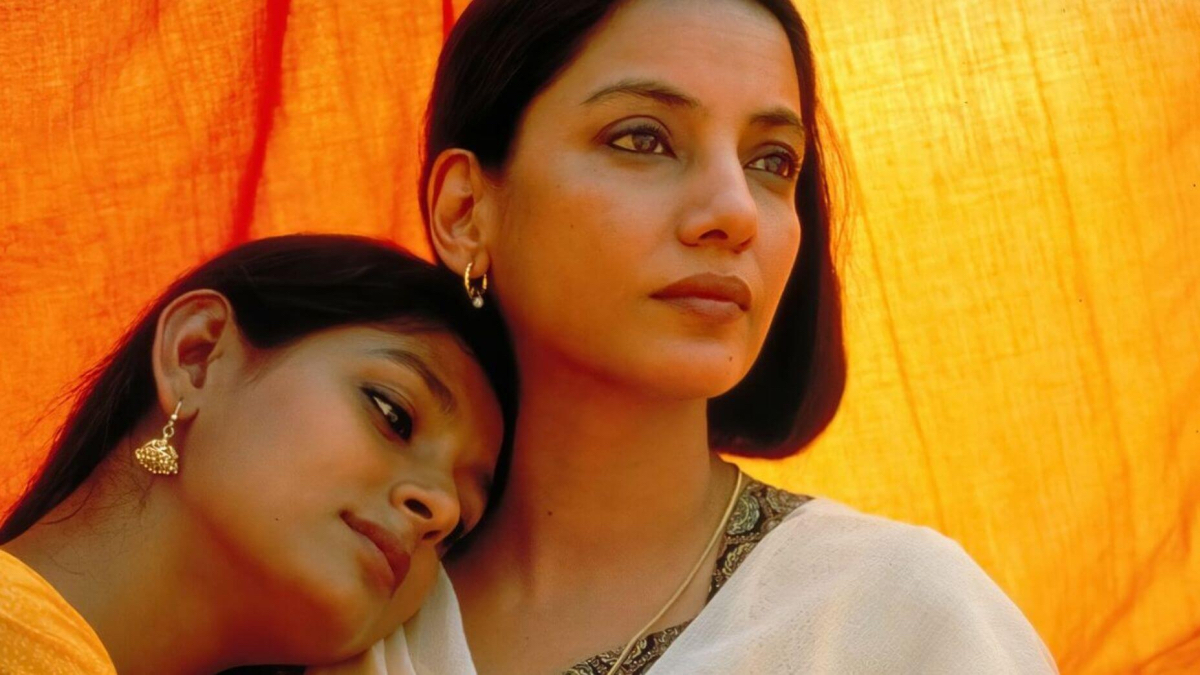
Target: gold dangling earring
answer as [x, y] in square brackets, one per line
[475, 293]
[157, 456]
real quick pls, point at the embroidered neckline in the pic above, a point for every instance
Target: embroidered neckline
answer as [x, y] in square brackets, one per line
[759, 510]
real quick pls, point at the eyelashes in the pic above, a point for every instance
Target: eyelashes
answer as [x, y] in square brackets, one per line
[643, 139]
[646, 138]
[400, 421]
[397, 418]
[782, 164]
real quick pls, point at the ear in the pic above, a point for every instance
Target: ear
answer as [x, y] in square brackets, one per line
[196, 334]
[461, 211]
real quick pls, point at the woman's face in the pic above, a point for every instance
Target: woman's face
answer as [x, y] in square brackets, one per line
[334, 474]
[647, 220]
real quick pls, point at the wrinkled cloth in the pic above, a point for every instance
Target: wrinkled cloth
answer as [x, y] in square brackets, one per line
[1018, 238]
[40, 633]
[830, 590]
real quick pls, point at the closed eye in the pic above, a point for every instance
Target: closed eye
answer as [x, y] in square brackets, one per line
[396, 417]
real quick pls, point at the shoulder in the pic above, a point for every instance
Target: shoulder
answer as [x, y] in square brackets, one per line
[39, 631]
[916, 569]
[888, 591]
[817, 534]
[867, 545]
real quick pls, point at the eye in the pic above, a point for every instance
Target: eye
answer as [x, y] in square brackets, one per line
[781, 164]
[396, 416]
[645, 139]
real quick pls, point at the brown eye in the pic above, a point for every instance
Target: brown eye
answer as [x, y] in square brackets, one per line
[779, 164]
[396, 417]
[644, 141]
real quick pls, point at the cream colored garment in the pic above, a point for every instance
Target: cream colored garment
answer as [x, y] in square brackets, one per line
[438, 631]
[830, 590]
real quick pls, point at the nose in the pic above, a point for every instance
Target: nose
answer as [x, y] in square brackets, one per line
[431, 510]
[723, 213]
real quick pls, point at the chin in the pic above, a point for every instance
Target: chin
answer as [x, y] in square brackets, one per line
[329, 621]
[694, 373]
[694, 387]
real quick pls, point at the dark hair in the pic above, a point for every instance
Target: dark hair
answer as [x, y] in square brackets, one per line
[281, 289]
[502, 53]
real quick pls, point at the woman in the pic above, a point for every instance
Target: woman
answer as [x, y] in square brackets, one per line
[639, 186]
[265, 470]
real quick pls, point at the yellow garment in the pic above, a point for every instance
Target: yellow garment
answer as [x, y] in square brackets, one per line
[40, 634]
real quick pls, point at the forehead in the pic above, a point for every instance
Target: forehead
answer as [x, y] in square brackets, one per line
[435, 356]
[444, 357]
[726, 53]
[473, 419]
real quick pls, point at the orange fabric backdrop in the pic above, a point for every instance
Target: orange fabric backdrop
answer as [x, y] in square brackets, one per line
[1020, 254]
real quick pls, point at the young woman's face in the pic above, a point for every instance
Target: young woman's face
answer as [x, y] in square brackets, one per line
[647, 214]
[334, 475]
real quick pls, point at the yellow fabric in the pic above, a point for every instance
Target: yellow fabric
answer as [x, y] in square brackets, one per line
[40, 634]
[1022, 255]
[1023, 278]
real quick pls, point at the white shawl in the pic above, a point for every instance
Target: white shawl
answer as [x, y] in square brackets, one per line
[829, 590]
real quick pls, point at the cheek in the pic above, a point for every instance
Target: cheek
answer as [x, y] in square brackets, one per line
[778, 247]
[278, 449]
[576, 239]
[267, 476]
[266, 480]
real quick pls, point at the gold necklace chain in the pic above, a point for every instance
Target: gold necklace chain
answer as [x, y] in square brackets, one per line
[721, 527]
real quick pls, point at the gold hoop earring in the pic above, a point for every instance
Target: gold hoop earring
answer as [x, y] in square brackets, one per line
[158, 456]
[475, 293]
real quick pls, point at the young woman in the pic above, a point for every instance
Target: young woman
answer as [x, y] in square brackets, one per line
[640, 186]
[265, 470]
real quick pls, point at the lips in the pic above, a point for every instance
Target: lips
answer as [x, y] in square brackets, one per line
[392, 547]
[708, 287]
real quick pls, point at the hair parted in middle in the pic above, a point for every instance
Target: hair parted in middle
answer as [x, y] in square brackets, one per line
[502, 53]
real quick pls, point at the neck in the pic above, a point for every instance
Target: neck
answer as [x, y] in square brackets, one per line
[600, 468]
[121, 556]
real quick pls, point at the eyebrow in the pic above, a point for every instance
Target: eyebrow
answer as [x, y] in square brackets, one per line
[413, 362]
[648, 89]
[778, 117]
[661, 92]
